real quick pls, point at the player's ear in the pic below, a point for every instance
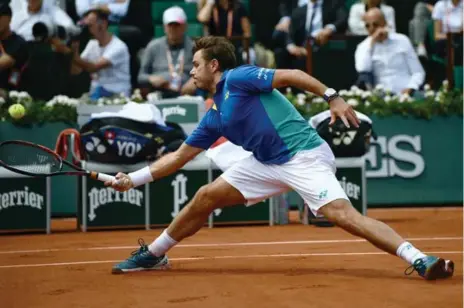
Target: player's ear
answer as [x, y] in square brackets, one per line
[214, 65]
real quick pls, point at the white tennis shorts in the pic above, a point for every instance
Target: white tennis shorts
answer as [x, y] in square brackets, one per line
[310, 173]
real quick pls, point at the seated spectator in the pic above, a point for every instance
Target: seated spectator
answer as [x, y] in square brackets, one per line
[418, 25]
[167, 61]
[13, 51]
[225, 18]
[448, 18]
[356, 23]
[318, 20]
[388, 57]
[105, 57]
[38, 11]
[116, 9]
[286, 8]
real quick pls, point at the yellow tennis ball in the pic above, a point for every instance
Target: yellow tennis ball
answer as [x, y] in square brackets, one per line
[17, 111]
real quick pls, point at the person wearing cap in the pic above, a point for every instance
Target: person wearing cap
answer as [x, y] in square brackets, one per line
[105, 57]
[167, 61]
[13, 51]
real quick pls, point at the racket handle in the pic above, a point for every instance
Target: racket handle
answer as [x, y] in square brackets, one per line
[102, 176]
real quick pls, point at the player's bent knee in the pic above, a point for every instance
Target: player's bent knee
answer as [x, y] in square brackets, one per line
[205, 199]
[340, 211]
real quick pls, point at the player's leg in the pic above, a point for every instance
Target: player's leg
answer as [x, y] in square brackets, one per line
[190, 219]
[247, 181]
[344, 215]
[312, 175]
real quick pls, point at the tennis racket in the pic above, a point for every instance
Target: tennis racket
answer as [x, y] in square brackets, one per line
[35, 160]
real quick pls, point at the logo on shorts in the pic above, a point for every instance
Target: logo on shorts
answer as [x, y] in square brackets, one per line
[323, 194]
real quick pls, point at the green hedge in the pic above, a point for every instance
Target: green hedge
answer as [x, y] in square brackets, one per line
[377, 102]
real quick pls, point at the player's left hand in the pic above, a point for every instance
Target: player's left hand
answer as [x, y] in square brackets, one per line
[339, 108]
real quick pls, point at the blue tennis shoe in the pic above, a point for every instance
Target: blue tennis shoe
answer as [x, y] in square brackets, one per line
[141, 260]
[432, 268]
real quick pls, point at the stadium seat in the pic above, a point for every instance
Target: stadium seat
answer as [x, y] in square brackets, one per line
[114, 29]
[158, 8]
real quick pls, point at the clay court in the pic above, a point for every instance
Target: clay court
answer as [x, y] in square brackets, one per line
[242, 266]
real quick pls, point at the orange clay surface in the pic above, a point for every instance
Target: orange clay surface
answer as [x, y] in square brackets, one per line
[247, 266]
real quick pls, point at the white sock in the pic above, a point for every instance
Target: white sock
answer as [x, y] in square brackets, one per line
[161, 244]
[409, 253]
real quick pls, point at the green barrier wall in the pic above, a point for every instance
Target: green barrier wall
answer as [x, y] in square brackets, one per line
[64, 188]
[412, 162]
[415, 161]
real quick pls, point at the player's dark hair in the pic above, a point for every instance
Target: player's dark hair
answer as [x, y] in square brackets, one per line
[219, 48]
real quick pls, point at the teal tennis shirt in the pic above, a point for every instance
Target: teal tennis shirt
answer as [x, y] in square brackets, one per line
[251, 114]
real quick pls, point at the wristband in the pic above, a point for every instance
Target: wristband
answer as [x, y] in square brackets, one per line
[141, 176]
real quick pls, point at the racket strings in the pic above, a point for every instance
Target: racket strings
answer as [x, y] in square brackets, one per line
[29, 159]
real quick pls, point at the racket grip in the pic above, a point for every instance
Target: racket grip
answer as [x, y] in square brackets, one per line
[102, 177]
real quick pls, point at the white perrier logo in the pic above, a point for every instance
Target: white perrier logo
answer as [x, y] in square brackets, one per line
[167, 111]
[179, 185]
[21, 198]
[107, 195]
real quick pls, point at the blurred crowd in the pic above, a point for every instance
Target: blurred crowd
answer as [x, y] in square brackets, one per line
[110, 47]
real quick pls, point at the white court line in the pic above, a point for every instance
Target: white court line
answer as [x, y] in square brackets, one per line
[229, 244]
[292, 255]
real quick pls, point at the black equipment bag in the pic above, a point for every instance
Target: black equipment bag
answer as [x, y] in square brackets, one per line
[115, 140]
[345, 142]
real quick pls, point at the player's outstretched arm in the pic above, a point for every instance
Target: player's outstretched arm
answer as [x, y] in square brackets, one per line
[299, 79]
[164, 166]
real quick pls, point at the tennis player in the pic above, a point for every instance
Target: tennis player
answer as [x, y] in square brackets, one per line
[287, 154]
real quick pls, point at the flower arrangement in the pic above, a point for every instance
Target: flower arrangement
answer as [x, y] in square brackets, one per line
[380, 102]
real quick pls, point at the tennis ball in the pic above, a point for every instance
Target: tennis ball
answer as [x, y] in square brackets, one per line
[17, 111]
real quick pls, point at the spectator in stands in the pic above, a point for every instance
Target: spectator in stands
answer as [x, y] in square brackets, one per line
[106, 57]
[418, 25]
[286, 7]
[40, 12]
[13, 51]
[167, 61]
[356, 22]
[388, 57]
[116, 9]
[318, 20]
[225, 18]
[448, 17]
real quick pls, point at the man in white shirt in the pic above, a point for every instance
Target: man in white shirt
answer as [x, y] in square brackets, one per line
[106, 58]
[39, 11]
[388, 56]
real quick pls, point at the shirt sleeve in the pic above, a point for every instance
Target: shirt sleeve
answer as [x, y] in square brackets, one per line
[438, 11]
[355, 22]
[146, 63]
[86, 53]
[116, 53]
[414, 66]
[61, 18]
[250, 78]
[363, 57]
[203, 136]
